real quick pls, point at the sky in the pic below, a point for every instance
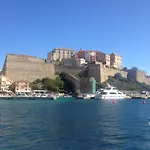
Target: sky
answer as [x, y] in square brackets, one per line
[35, 27]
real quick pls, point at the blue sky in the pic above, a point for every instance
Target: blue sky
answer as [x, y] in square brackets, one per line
[34, 27]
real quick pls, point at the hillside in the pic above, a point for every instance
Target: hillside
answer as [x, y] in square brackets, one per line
[126, 84]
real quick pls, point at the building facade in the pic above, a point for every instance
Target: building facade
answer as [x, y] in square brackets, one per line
[107, 60]
[59, 54]
[116, 61]
[88, 55]
[112, 60]
[5, 83]
[21, 87]
[80, 62]
[100, 56]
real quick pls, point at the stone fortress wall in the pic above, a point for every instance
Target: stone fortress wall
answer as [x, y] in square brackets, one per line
[139, 75]
[22, 67]
[68, 69]
[105, 72]
[101, 73]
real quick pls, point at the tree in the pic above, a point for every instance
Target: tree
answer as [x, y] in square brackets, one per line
[127, 84]
[118, 75]
[49, 84]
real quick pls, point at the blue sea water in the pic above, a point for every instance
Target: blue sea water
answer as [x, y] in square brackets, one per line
[69, 124]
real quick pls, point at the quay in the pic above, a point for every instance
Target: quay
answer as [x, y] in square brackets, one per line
[140, 97]
[27, 98]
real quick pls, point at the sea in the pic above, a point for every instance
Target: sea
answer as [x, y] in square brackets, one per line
[70, 124]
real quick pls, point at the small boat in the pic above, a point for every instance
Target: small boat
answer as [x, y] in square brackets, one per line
[54, 97]
[86, 96]
[67, 96]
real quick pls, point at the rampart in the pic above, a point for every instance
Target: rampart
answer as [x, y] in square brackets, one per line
[22, 67]
[139, 75]
[69, 69]
[101, 73]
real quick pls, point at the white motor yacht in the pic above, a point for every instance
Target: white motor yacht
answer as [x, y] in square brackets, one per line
[109, 93]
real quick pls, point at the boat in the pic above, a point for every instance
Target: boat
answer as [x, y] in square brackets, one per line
[86, 96]
[67, 96]
[92, 96]
[109, 93]
[20, 95]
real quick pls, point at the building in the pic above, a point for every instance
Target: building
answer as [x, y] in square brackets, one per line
[116, 61]
[81, 53]
[5, 83]
[80, 62]
[100, 56]
[21, 86]
[75, 55]
[94, 55]
[107, 60]
[88, 55]
[59, 54]
[104, 58]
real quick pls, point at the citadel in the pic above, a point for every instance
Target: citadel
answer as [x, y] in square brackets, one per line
[86, 63]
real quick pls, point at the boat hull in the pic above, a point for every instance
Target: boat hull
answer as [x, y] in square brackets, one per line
[110, 97]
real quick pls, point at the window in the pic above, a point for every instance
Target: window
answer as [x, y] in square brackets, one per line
[119, 93]
[112, 93]
[104, 93]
